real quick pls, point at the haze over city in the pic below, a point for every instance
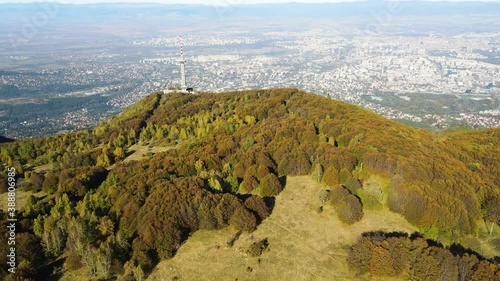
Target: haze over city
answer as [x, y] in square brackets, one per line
[249, 140]
[395, 58]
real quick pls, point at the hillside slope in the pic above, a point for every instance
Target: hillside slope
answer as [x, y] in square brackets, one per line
[213, 161]
[303, 243]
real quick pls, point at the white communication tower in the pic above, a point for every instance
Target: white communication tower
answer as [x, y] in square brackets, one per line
[182, 62]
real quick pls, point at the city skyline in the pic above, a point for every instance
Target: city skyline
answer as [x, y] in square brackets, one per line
[433, 71]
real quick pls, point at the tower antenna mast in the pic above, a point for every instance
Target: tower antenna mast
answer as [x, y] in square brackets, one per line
[182, 62]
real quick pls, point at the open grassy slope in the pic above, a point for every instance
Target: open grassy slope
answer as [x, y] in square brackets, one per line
[303, 244]
[139, 152]
[164, 185]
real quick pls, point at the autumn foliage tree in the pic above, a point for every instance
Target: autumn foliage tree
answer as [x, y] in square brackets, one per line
[348, 207]
[397, 254]
[331, 176]
[230, 149]
[270, 185]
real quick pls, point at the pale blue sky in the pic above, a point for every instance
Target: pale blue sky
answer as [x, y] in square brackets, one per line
[206, 2]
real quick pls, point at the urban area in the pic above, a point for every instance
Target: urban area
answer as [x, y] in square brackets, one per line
[430, 79]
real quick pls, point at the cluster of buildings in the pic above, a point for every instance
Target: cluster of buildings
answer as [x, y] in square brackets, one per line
[326, 62]
[347, 69]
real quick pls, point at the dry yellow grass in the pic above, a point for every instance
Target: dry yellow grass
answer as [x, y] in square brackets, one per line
[487, 245]
[303, 244]
[138, 152]
[43, 168]
[21, 197]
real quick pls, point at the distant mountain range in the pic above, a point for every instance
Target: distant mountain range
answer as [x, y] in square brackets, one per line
[318, 10]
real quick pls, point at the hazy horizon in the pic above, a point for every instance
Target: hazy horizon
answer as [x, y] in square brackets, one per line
[224, 2]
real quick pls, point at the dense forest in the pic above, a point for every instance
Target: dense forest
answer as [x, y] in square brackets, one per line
[393, 254]
[230, 155]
